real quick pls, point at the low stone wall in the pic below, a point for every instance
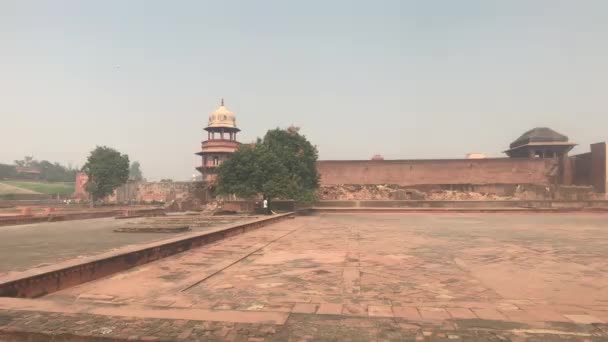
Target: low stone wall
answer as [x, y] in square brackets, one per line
[41, 281]
[250, 206]
[238, 206]
[148, 192]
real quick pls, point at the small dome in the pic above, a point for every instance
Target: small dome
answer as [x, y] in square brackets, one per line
[377, 157]
[222, 117]
[475, 155]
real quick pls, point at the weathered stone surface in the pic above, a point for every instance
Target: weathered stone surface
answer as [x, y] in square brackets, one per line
[338, 277]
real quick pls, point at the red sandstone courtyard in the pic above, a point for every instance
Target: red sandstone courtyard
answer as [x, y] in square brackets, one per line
[355, 277]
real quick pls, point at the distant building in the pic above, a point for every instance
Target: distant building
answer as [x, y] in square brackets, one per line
[377, 157]
[27, 172]
[220, 144]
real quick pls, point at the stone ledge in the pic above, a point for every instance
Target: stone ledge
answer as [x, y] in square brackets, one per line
[152, 228]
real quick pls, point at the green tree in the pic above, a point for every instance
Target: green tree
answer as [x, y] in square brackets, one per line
[135, 173]
[55, 172]
[50, 172]
[107, 170]
[25, 162]
[282, 165]
[7, 171]
[299, 157]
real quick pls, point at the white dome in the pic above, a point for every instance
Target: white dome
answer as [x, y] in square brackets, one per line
[222, 117]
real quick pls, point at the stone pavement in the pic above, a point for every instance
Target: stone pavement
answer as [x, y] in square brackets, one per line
[354, 277]
[40, 244]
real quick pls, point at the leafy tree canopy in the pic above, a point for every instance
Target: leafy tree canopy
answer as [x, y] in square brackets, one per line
[7, 171]
[107, 170]
[135, 173]
[50, 172]
[27, 161]
[281, 165]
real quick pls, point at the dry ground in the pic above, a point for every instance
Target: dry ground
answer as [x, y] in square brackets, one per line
[361, 277]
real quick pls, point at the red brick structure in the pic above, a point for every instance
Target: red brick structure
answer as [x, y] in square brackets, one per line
[27, 172]
[80, 192]
[220, 144]
[439, 171]
[539, 157]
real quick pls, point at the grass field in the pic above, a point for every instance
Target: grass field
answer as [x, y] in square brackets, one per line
[7, 189]
[61, 189]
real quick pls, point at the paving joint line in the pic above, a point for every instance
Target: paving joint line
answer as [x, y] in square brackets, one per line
[236, 261]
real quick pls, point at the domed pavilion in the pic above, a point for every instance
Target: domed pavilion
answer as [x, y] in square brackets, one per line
[220, 144]
[540, 142]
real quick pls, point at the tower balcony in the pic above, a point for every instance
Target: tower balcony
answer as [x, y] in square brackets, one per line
[219, 146]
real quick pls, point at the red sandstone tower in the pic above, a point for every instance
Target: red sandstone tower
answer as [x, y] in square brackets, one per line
[220, 144]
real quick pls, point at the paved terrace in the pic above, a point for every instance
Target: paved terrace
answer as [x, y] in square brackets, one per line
[355, 277]
[41, 244]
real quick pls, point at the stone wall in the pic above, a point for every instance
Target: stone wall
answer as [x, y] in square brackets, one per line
[483, 192]
[148, 192]
[580, 166]
[447, 171]
[599, 167]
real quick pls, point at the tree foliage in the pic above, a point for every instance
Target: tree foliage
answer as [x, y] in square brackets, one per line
[27, 161]
[50, 172]
[55, 172]
[281, 165]
[135, 173]
[7, 171]
[107, 170]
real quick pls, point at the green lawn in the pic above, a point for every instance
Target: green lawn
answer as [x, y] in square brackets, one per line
[60, 188]
[7, 189]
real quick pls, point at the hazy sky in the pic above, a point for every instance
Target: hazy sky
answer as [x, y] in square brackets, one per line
[406, 79]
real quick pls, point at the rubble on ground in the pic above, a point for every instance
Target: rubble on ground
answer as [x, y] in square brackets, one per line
[396, 192]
